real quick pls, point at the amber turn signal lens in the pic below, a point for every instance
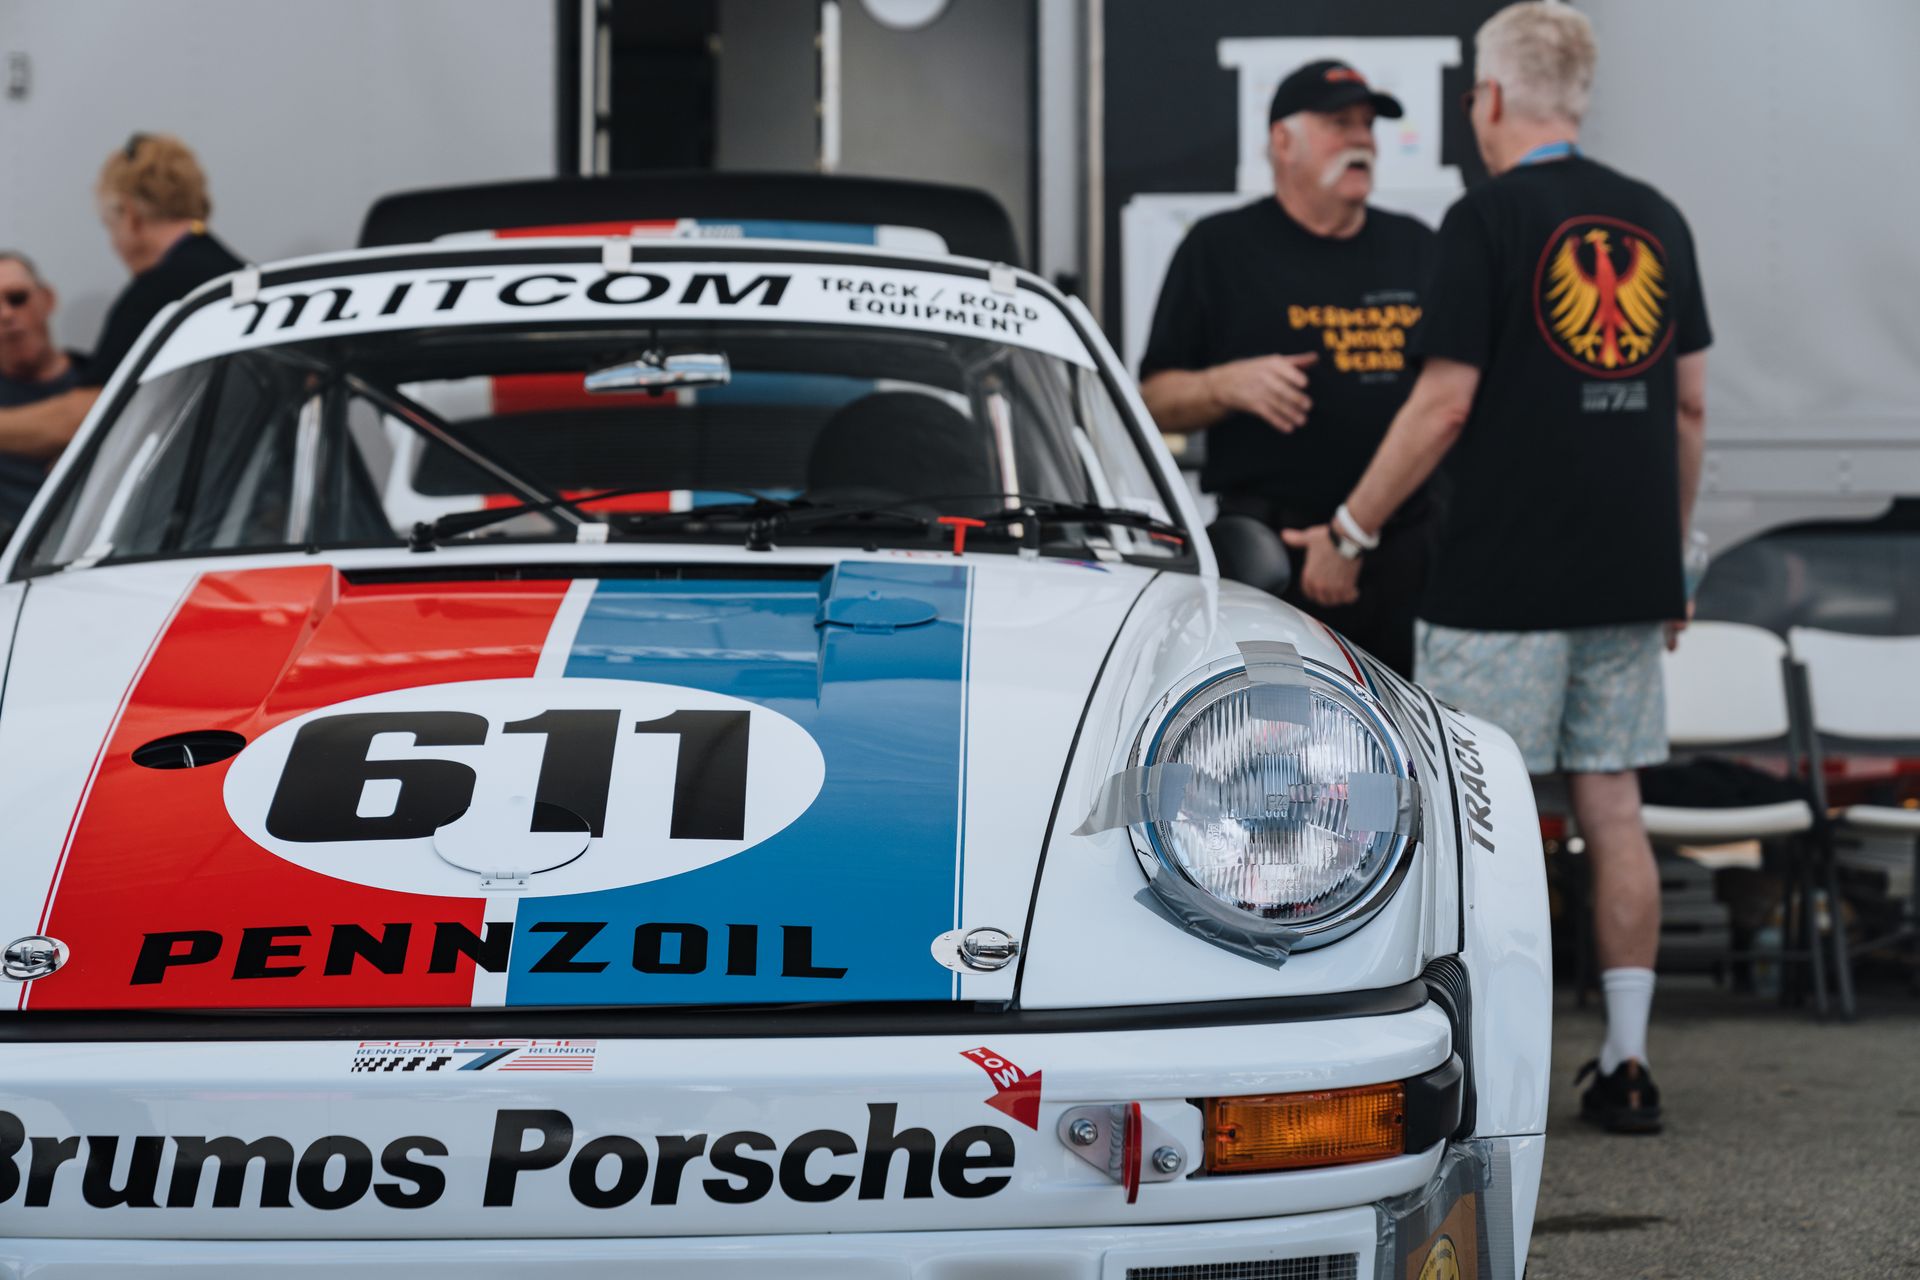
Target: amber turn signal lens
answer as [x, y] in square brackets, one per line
[1276, 1131]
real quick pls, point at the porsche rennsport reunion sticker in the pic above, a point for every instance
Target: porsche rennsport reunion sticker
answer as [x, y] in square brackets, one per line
[425, 1057]
[783, 292]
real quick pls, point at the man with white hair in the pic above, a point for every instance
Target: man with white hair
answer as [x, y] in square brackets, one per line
[1281, 332]
[1564, 384]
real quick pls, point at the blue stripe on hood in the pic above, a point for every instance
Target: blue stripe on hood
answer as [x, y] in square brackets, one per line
[867, 877]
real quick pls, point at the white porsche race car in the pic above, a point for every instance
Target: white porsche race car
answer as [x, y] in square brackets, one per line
[675, 751]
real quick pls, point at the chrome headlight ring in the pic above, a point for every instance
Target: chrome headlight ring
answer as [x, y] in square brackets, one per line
[1322, 808]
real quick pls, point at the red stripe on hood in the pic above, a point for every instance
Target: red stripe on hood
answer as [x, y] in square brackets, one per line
[154, 850]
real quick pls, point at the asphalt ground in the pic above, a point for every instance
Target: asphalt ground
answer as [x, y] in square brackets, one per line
[1792, 1146]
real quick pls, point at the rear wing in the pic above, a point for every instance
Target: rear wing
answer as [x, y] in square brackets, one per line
[968, 222]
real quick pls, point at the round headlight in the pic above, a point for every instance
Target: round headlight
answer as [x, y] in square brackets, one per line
[1293, 799]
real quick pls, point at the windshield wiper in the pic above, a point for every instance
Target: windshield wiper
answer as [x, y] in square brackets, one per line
[767, 517]
[1030, 516]
[1047, 511]
[427, 534]
[1032, 513]
[916, 515]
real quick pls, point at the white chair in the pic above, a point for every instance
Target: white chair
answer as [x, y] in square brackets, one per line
[1728, 691]
[1862, 694]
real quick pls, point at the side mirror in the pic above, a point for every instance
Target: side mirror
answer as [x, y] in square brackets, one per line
[1250, 552]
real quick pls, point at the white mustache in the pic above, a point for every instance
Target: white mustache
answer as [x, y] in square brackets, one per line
[1338, 165]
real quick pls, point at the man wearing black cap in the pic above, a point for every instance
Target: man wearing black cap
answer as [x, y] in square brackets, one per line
[1281, 332]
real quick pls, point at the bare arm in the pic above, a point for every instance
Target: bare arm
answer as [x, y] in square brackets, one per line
[1692, 373]
[1180, 401]
[1426, 427]
[1269, 387]
[43, 429]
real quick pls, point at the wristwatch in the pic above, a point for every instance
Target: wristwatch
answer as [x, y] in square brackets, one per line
[1347, 547]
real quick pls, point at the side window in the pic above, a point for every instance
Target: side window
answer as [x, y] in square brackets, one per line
[239, 453]
[1039, 396]
[1115, 455]
[353, 461]
[139, 487]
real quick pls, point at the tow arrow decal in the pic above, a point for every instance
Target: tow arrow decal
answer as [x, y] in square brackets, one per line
[1014, 1091]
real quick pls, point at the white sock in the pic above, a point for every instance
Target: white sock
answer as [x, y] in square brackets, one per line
[1629, 995]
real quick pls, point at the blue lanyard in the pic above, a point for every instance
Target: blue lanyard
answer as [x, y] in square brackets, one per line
[1548, 151]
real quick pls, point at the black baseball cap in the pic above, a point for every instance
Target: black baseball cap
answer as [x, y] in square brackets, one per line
[1328, 86]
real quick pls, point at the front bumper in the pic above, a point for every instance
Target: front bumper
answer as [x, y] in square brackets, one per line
[1467, 1203]
[907, 1155]
[409, 1139]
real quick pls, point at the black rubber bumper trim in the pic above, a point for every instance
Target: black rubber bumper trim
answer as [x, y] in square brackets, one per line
[740, 1022]
[1452, 990]
[1434, 1102]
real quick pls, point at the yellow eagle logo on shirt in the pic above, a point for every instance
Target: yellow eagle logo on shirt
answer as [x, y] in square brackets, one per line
[1600, 296]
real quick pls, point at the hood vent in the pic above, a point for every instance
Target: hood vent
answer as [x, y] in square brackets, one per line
[189, 750]
[699, 572]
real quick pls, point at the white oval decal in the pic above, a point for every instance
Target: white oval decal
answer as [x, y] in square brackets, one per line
[548, 785]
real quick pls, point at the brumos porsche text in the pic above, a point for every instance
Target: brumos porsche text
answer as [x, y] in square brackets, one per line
[532, 1152]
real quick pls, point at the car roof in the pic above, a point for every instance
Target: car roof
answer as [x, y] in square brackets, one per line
[969, 221]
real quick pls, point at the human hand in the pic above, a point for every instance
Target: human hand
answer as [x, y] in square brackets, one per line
[1270, 387]
[1673, 629]
[1328, 578]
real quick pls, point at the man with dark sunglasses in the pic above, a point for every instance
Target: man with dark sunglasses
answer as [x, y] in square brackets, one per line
[32, 369]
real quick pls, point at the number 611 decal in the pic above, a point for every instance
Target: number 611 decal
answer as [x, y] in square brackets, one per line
[335, 787]
[664, 778]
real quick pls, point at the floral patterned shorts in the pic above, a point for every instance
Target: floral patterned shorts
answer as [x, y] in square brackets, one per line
[1589, 700]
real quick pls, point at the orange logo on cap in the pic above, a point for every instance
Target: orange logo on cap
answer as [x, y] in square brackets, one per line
[1344, 73]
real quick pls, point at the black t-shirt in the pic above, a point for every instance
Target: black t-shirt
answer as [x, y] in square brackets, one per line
[20, 477]
[1253, 282]
[1572, 289]
[192, 261]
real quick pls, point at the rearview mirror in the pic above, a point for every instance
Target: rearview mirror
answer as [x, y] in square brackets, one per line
[656, 371]
[1250, 552]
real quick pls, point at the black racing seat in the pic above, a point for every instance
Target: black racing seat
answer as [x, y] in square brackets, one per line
[893, 446]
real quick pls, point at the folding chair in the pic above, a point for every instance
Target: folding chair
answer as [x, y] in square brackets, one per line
[1861, 694]
[1728, 691]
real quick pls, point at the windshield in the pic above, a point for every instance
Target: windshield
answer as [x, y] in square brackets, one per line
[368, 436]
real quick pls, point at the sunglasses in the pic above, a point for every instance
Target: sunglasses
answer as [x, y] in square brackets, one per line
[17, 298]
[133, 145]
[1467, 99]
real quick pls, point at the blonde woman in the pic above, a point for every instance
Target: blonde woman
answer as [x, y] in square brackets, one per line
[153, 202]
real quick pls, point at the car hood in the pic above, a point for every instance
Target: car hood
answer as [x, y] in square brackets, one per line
[706, 783]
